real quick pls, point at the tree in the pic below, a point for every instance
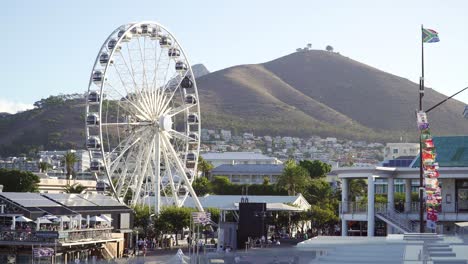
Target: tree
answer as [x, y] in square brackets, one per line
[142, 215]
[201, 186]
[319, 191]
[69, 159]
[75, 188]
[316, 168]
[19, 181]
[294, 178]
[44, 166]
[221, 184]
[329, 48]
[204, 166]
[357, 188]
[323, 218]
[175, 219]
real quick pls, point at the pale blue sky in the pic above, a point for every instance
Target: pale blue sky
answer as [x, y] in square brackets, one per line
[48, 47]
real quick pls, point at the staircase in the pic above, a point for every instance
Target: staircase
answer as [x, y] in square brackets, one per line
[394, 218]
[107, 252]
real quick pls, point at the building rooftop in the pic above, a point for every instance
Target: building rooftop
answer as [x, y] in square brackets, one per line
[248, 168]
[229, 202]
[452, 151]
[235, 156]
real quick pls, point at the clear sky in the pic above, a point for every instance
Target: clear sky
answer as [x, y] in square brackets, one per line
[48, 47]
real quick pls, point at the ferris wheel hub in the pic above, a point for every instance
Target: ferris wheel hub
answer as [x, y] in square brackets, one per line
[165, 123]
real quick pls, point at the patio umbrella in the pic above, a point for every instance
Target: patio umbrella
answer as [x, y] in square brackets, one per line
[50, 217]
[97, 219]
[62, 218]
[22, 219]
[105, 217]
[43, 221]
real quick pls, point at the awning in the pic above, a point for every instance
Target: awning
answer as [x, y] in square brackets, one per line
[23, 219]
[282, 207]
[277, 207]
[462, 224]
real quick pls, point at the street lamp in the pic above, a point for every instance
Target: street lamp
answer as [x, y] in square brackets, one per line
[263, 215]
[421, 183]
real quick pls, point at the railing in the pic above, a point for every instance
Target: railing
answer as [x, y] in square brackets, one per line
[353, 208]
[398, 219]
[66, 236]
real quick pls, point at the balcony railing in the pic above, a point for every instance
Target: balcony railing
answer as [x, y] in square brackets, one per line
[65, 236]
[448, 210]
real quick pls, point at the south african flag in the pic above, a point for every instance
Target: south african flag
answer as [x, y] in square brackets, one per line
[430, 35]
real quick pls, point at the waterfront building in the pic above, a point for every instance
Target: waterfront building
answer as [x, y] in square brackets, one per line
[452, 156]
[68, 226]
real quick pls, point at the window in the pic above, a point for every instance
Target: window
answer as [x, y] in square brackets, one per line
[235, 178]
[395, 151]
[124, 221]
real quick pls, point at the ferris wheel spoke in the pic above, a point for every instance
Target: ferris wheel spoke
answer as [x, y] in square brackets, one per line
[137, 108]
[181, 169]
[177, 110]
[143, 60]
[116, 161]
[180, 136]
[169, 171]
[166, 103]
[142, 176]
[136, 172]
[131, 71]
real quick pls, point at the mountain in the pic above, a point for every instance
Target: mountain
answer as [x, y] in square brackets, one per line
[325, 93]
[302, 94]
[199, 70]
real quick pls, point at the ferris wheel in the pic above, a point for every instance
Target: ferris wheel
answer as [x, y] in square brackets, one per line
[143, 117]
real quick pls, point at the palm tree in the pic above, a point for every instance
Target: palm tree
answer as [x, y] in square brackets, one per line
[75, 188]
[44, 166]
[69, 159]
[204, 166]
[293, 178]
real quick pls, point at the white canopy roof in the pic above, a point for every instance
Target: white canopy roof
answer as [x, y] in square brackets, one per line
[98, 219]
[43, 220]
[62, 218]
[462, 224]
[22, 219]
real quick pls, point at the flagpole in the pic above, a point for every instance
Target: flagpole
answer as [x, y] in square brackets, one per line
[421, 183]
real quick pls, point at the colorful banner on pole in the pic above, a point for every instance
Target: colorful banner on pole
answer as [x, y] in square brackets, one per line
[431, 172]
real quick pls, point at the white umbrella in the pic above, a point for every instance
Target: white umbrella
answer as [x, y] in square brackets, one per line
[97, 219]
[43, 220]
[23, 219]
[105, 217]
[50, 217]
[62, 218]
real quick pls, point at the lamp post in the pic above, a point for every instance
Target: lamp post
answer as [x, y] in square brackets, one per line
[263, 215]
[421, 186]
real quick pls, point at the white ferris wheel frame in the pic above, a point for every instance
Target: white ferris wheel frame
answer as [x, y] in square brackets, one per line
[159, 149]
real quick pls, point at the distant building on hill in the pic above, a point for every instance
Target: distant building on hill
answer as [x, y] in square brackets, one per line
[221, 158]
[249, 173]
[395, 150]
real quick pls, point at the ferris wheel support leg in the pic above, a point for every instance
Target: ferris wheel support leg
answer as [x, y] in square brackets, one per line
[181, 168]
[157, 187]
